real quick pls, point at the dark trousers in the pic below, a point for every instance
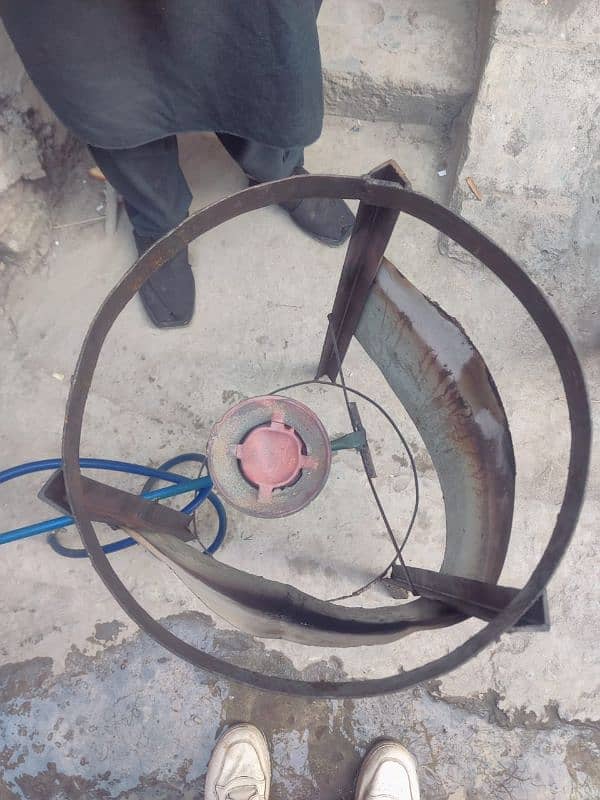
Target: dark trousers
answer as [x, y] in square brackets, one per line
[154, 189]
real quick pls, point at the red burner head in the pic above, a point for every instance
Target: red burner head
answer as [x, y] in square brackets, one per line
[269, 456]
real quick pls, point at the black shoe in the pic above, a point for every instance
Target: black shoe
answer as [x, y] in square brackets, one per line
[328, 220]
[169, 294]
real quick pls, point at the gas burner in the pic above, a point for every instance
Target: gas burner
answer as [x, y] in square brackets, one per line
[269, 456]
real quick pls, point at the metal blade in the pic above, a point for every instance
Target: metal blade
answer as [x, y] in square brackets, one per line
[275, 610]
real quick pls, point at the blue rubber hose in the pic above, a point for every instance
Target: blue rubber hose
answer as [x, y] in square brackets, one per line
[191, 506]
[90, 463]
[62, 522]
[201, 486]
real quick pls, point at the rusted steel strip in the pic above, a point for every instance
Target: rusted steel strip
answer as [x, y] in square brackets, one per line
[372, 230]
[119, 509]
[275, 610]
[443, 383]
[471, 597]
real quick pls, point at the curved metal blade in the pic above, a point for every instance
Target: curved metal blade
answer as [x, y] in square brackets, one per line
[276, 610]
[444, 384]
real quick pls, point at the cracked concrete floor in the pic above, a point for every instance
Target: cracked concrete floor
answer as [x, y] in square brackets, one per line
[91, 708]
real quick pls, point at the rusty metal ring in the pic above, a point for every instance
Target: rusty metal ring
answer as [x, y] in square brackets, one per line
[386, 195]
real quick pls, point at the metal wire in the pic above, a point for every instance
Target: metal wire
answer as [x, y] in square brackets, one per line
[182, 459]
[374, 491]
[398, 547]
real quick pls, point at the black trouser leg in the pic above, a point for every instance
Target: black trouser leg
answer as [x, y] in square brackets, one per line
[157, 198]
[154, 190]
[328, 220]
[260, 161]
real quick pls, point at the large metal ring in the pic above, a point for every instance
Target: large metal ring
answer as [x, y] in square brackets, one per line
[385, 195]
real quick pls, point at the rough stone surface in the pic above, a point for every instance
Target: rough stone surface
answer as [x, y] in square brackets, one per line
[536, 163]
[33, 146]
[19, 151]
[24, 222]
[399, 59]
[95, 731]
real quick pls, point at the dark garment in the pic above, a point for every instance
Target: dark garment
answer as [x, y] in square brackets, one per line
[261, 162]
[120, 73]
[154, 189]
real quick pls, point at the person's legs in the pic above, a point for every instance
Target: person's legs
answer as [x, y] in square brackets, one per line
[388, 772]
[261, 162]
[240, 766]
[156, 198]
[329, 221]
[150, 180]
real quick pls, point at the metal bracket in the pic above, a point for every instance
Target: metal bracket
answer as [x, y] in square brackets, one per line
[351, 441]
[310, 618]
[357, 440]
[372, 230]
[471, 597]
[117, 508]
[364, 450]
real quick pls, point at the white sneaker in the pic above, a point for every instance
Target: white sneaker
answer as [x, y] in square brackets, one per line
[240, 766]
[388, 772]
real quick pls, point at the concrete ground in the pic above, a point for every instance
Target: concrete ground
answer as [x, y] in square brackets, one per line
[91, 708]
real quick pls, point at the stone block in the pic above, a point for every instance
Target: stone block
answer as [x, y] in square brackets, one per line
[398, 59]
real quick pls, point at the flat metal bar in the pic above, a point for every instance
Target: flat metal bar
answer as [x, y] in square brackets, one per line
[365, 452]
[472, 597]
[122, 509]
[372, 230]
[351, 441]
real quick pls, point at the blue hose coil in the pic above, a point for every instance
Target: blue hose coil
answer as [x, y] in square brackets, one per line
[162, 473]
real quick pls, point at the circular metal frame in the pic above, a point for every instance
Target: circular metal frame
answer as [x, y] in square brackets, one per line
[386, 195]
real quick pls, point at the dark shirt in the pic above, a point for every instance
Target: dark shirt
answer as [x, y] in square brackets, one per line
[120, 73]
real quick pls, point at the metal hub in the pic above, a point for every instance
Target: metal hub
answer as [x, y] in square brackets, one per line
[269, 456]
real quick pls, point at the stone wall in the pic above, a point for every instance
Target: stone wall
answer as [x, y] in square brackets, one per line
[532, 145]
[33, 147]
